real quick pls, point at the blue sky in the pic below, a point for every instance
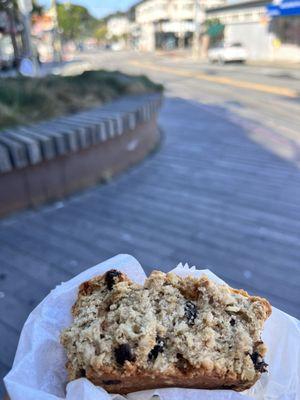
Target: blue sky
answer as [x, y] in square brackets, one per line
[99, 8]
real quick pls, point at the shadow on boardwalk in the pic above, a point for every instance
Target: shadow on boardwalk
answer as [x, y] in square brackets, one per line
[211, 196]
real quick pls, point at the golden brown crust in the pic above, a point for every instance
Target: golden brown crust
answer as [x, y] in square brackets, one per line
[199, 379]
[267, 306]
[88, 287]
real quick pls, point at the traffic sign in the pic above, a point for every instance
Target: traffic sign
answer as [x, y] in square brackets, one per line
[281, 8]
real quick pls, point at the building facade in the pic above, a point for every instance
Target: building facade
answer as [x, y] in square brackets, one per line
[266, 37]
[117, 26]
[269, 30]
[119, 30]
[167, 24]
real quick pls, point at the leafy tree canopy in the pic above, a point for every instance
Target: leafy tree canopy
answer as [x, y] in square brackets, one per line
[100, 32]
[75, 21]
[214, 29]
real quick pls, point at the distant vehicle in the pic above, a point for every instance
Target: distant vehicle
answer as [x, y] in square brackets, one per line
[228, 52]
[117, 46]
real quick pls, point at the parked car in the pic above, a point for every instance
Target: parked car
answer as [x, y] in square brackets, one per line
[227, 52]
[119, 45]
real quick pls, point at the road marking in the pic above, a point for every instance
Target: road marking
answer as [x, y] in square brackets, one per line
[261, 87]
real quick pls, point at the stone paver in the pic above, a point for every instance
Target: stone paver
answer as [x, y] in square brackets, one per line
[210, 196]
[30, 145]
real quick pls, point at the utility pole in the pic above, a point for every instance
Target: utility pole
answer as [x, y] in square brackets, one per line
[29, 64]
[25, 7]
[9, 6]
[56, 40]
[199, 18]
[196, 38]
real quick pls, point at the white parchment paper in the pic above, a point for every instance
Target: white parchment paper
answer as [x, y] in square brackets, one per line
[38, 371]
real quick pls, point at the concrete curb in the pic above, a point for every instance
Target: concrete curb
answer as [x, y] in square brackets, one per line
[50, 160]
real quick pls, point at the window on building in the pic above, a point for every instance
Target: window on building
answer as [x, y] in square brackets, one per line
[188, 6]
[248, 16]
[287, 29]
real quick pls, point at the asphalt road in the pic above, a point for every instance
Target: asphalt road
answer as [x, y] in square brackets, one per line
[265, 94]
[222, 192]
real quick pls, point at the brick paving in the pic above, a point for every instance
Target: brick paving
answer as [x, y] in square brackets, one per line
[209, 196]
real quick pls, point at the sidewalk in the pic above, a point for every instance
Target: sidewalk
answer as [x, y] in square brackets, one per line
[72, 67]
[275, 64]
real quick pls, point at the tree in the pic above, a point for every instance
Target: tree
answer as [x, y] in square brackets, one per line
[100, 33]
[214, 29]
[75, 21]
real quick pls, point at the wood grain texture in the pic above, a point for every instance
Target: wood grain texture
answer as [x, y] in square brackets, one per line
[211, 196]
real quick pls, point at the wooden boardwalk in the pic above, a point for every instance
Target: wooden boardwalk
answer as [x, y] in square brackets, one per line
[210, 196]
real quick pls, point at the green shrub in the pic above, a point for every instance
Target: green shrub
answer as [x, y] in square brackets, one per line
[27, 100]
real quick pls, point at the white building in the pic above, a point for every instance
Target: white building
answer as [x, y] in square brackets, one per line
[265, 37]
[117, 26]
[169, 23]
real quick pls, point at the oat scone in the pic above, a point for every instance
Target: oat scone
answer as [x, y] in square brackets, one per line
[172, 331]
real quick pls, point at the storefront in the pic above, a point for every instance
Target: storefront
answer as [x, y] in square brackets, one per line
[245, 22]
[270, 31]
[285, 26]
[173, 34]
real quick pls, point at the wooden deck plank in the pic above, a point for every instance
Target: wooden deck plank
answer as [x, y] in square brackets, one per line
[210, 196]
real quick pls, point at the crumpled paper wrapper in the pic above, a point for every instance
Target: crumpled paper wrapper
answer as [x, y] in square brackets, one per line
[38, 371]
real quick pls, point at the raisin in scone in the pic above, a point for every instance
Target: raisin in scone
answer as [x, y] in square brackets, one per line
[185, 332]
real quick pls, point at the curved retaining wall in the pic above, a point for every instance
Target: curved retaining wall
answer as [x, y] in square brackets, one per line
[50, 160]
